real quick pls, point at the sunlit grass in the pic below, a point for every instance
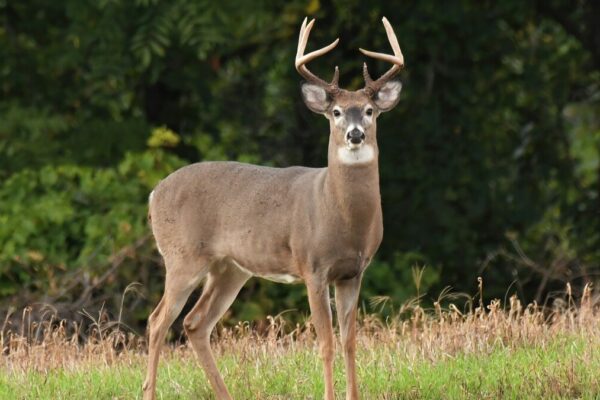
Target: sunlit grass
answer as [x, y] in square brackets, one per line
[515, 353]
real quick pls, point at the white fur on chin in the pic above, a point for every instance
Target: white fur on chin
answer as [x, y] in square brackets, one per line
[363, 154]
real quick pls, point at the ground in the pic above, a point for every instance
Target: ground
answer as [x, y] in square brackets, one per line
[488, 353]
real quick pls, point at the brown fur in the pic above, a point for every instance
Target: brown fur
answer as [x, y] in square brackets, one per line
[227, 221]
[269, 220]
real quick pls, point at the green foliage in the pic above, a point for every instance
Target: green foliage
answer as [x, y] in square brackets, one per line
[406, 278]
[163, 137]
[23, 126]
[497, 133]
[56, 220]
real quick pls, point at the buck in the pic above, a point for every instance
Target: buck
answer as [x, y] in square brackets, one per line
[228, 222]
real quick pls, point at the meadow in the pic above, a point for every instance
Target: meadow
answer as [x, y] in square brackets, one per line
[494, 351]
[489, 166]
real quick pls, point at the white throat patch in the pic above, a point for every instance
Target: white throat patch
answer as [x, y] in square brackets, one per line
[363, 154]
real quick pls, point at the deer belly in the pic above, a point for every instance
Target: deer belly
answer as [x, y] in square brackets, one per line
[274, 277]
[281, 278]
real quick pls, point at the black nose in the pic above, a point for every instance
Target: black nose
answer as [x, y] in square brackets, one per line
[356, 136]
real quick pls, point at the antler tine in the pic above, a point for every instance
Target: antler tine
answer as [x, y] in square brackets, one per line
[366, 76]
[301, 48]
[336, 77]
[397, 60]
[302, 59]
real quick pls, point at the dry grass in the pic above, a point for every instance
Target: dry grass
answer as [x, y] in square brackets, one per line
[487, 352]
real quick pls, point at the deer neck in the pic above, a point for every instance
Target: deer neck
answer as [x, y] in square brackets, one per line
[352, 183]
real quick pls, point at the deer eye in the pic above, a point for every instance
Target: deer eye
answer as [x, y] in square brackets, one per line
[369, 111]
[336, 113]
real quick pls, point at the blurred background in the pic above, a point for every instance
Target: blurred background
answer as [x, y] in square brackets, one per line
[490, 164]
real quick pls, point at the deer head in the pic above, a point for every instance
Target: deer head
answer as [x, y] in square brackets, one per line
[352, 114]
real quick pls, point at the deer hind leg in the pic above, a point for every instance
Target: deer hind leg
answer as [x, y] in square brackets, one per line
[346, 299]
[222, 286]
[178, 287]
[320, 309]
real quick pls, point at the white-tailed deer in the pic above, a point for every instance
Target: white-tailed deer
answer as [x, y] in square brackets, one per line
[228, 222]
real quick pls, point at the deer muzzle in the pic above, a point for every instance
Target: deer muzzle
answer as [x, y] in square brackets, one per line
[355, 136]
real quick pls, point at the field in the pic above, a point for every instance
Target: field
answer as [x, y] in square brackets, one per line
[487, 352]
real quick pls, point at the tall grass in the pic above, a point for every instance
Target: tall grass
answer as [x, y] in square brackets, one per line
[482, 351]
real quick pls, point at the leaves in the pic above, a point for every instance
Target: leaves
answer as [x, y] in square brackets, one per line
[496, 131]
[163, 137]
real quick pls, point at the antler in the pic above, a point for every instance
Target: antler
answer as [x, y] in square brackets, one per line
[371, 86]
[302, 59]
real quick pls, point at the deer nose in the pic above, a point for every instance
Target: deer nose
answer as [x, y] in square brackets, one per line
[355, 136]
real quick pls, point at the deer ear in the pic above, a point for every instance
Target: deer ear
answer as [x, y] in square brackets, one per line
[315, 98]
[388, 96]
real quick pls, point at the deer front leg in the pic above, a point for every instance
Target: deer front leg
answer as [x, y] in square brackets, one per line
[346, 298]
[318, 298]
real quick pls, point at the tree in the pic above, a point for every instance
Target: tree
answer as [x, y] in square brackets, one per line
[495, 145]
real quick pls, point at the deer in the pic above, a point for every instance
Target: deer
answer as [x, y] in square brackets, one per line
[225, 222]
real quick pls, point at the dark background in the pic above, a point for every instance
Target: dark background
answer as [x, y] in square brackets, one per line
[490, 164]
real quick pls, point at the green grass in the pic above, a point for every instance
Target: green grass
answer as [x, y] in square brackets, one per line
[566, 367]
[490, 352]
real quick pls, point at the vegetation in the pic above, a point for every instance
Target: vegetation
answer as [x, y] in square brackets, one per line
[492, 352]
[490, 165]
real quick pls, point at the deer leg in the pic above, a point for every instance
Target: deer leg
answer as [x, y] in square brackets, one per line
[222, 286]
[178, 287]
[346, 298]
[318, 298]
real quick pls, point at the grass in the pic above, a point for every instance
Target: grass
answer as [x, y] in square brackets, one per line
[495, 352]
